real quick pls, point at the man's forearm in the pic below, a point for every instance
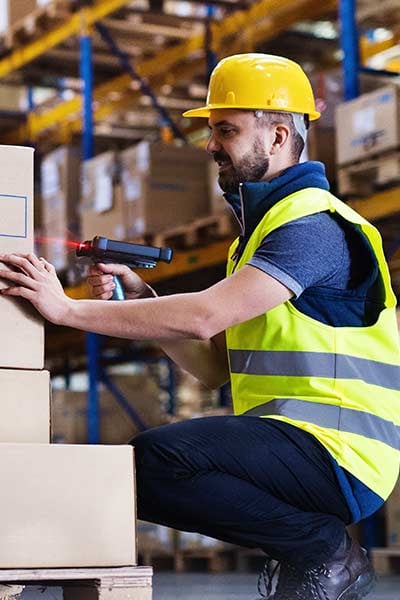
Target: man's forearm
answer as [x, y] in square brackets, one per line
[174, 322]
[182, 316]
[201, 358]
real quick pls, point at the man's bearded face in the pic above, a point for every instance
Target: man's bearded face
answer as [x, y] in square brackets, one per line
[252, 166]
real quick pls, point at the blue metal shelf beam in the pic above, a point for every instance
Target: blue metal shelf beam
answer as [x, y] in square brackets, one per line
[350, 47]
[92, 340]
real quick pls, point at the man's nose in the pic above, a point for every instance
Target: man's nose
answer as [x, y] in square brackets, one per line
[212, 145]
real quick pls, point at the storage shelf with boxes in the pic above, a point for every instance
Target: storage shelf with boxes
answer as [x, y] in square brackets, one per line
[368, 142]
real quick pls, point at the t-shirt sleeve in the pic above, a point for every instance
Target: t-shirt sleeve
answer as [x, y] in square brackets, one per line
[303, 253]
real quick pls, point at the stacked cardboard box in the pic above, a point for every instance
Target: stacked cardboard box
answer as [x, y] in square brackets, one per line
[60, 192]
[146, 189]
[368, 141]
[60, 505]
[143, 395]
[193, 399]
[368, 125]
[17, 10]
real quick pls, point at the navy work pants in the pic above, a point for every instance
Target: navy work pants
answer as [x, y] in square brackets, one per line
[246, 480]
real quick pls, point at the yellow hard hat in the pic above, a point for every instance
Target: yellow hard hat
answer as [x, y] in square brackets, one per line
[258, 81]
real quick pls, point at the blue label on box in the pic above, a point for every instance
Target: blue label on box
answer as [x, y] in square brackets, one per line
[16, 209]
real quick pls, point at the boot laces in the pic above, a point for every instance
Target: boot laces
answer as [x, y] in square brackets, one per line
[313, 584]
[267, 578]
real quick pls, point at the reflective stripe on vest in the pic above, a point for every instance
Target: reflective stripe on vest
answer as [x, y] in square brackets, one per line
[333, 417]
[314, 364]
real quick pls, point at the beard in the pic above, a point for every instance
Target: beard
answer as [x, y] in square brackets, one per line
[253, 166]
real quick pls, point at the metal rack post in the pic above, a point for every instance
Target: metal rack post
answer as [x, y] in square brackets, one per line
[350, 47]
[92, 340]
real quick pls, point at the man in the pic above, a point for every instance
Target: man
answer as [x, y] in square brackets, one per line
[306, 316]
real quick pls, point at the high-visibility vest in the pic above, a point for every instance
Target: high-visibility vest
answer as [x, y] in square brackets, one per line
[341, 384]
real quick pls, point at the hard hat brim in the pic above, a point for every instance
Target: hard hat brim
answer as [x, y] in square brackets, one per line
[205, 111]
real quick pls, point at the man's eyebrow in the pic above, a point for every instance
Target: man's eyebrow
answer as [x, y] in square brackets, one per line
[222, 123]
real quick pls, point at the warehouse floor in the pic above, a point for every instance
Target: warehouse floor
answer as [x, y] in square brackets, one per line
[227, 586]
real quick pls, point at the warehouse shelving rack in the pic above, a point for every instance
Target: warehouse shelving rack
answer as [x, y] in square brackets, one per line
[78, 115]
[242, 30]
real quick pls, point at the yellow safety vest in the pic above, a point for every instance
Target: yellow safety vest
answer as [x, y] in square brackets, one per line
[341, 384]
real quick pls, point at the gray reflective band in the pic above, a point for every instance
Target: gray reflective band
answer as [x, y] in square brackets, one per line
[332, 417]
[314, 364]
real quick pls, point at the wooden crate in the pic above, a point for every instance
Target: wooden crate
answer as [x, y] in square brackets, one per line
[363, 178]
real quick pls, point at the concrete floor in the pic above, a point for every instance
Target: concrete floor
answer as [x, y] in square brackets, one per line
[201, 586]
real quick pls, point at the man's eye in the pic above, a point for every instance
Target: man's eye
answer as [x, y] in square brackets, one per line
[227, 131]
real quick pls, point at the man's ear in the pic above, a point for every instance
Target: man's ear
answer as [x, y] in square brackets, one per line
[281, 136]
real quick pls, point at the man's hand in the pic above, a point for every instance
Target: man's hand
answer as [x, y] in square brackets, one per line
[36, 280]
[101, 282]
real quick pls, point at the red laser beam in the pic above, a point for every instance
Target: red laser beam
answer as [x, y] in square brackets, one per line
[69, 244]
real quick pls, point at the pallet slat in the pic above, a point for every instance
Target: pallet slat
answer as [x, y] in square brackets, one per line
[128, 576]
[366, 177]
[386, 561]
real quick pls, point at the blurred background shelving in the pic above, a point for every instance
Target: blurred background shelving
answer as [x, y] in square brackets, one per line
[98, 88]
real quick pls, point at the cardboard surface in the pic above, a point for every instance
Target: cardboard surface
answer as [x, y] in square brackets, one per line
[22, 330]
[164, 186]
[111, 223]
[368, 125]
[69, 411]
[67, 506]
[24, 406]
[60, 193]
[19, 9]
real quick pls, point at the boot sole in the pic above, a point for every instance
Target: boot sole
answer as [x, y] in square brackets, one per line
[362, 586]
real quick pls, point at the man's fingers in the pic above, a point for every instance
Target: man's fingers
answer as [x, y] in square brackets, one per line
[22, 292]
[96, 280]
[28, 263]
[48, 266]
[19, 278]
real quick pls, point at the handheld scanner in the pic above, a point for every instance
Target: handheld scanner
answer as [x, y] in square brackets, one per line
[138, 256]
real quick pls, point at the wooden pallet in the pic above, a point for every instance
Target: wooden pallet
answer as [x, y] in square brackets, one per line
[197, 233]
[114, 583]
[366, 177]
[386, 561]
[35, 24]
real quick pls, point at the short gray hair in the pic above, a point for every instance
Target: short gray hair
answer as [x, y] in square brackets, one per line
[297, 123]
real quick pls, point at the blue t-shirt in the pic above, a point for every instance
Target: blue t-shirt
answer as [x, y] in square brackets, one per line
[322, 255]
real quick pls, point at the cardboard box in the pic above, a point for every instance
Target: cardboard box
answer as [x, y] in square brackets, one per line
[67, 506]
[368, 125]
[164, 186]
[392, 511]
[19, 9]
[24, 406]
[60, 193]
[112, 223]
[69, 411]
[22, 331]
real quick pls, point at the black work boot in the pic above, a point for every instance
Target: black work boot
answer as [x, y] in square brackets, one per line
[347, 575]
